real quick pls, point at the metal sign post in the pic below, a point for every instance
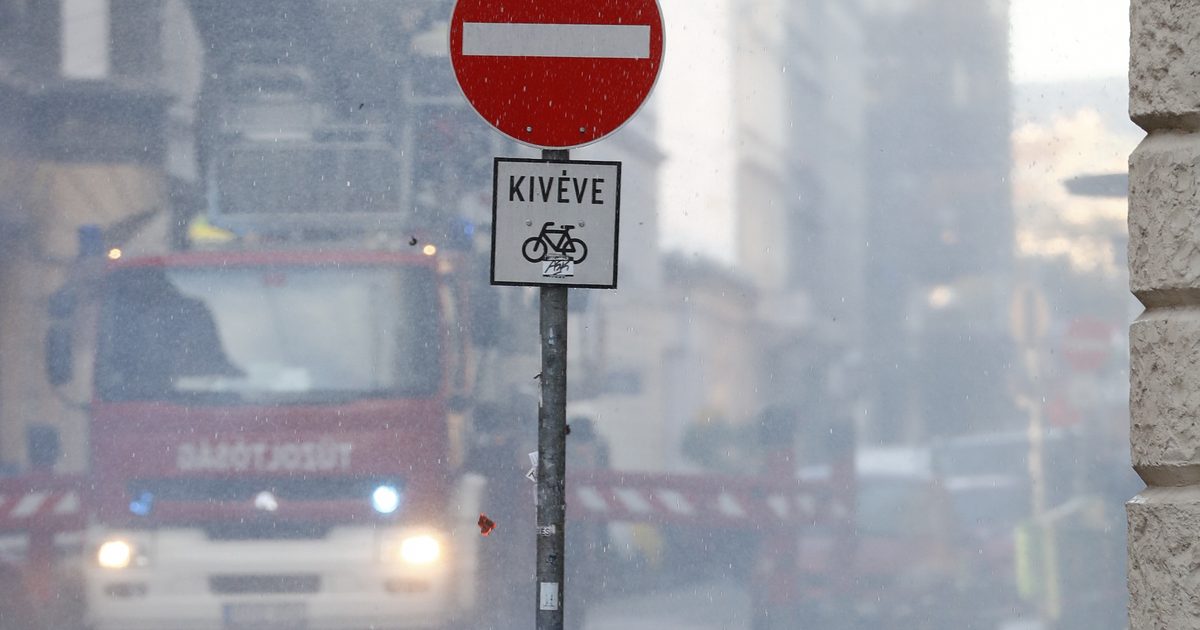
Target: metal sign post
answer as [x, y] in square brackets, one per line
[555, 75]
[552, 451]
[554, 225]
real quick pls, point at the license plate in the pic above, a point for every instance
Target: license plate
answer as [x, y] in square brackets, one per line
[266, 616]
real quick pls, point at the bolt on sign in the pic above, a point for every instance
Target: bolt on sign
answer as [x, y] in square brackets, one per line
[556, 74]
[555, 223]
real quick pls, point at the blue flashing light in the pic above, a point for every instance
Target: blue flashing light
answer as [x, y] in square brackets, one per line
[91, 240]
[386, 498]
[142, 505]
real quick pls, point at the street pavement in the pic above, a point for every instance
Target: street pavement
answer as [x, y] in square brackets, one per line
[718, 605]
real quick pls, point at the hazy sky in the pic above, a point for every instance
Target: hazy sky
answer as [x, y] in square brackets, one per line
[1055, 40]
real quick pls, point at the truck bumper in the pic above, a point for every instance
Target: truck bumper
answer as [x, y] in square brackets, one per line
[315, 613]
[352, 578]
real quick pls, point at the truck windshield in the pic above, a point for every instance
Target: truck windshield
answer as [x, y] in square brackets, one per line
[268, 334]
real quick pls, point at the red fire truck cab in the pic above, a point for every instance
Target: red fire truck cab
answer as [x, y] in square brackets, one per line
[272, 443]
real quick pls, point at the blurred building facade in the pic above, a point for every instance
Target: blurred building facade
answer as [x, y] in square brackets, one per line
[801, 208]
[83, 144]
[619, 338]
[863, 254]
[772, 312]
[940, 220]
[812, 360]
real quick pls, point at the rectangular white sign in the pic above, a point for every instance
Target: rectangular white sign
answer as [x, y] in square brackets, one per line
[596, 41]
[555, 223]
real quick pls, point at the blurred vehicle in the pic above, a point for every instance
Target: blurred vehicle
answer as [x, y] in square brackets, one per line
[277, 420]
[906, 567]
[975, 460]
[290, 412]
[991, 487]
[991, 509]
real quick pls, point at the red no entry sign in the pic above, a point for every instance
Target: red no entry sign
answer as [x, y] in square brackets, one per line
[1088, 344]
[556, 73]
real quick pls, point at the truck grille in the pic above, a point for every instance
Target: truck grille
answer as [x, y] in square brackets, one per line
[264, 584]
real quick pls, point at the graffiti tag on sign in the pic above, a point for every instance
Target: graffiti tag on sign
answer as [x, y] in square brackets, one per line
[558, 268]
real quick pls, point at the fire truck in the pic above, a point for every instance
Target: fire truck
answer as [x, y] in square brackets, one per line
[277, 416]
[271, 444]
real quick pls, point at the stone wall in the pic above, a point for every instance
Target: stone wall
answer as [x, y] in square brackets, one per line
[1164, 263]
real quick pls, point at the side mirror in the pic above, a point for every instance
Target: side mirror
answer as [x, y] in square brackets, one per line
[60, 357]
[43, 445]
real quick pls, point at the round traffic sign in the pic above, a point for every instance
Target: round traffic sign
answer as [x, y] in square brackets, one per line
[1088, 344]
[556, 73]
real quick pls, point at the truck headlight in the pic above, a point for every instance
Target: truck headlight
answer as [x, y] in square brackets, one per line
[115, 554]
[422, 550]
[417, 549]
[121, 552]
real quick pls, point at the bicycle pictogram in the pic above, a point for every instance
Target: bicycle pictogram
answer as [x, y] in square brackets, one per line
[554, 241]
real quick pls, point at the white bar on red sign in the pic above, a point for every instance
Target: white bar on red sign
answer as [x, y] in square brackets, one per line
[594, 41]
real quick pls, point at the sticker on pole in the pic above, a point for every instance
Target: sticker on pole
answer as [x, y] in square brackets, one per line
[556, 74]
[555, 223]
[548, 596]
